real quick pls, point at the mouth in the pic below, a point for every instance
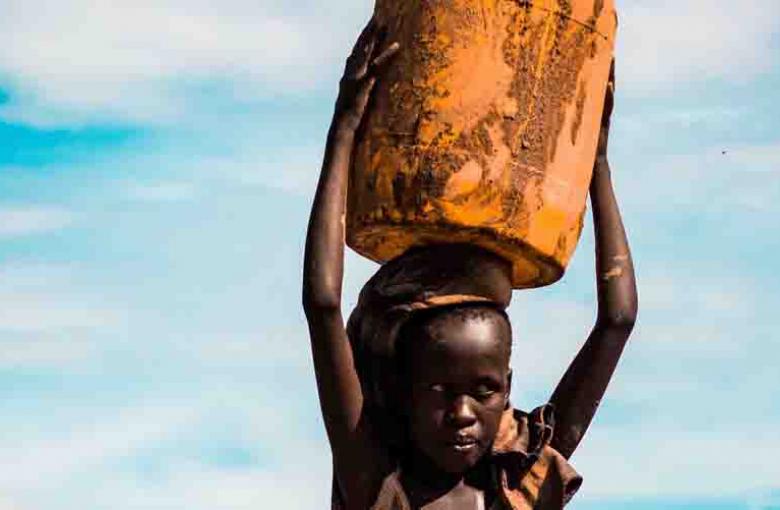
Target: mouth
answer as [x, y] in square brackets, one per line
[463, 444]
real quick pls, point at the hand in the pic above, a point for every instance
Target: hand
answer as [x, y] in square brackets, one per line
[360, 76]
[609, 105]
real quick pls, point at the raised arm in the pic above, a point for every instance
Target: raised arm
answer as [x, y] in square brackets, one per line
[579, 392]
[337, 382]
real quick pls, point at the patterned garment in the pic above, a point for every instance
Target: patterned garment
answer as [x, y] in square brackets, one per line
[533, 475]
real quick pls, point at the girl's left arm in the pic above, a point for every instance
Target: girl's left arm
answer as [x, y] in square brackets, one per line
[581, 389]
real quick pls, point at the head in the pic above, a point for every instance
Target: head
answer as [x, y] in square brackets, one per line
[454, 362]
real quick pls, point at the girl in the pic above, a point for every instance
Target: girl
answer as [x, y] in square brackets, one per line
[415, 398]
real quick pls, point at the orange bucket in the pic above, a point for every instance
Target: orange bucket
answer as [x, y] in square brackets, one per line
[484, 130]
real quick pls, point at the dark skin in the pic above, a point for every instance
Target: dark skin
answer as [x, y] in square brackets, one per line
[582, 387]
[459, 384]
[453, 413]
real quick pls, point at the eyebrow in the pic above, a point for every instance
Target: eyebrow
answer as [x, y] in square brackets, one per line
[488, 380]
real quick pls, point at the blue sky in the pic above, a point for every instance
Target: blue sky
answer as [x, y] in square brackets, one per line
[157, 160]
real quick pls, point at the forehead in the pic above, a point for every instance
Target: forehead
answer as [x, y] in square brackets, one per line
[456, 345]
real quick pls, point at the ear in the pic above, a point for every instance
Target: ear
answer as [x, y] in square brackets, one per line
[508, 388]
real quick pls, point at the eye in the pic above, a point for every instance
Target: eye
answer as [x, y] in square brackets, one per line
[483, 392]
[437, 388]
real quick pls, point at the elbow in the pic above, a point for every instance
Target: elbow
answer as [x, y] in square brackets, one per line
[618, 311]
[318, 303]
[619, 314]
[622, 319]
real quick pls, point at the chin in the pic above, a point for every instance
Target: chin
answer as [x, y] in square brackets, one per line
[458, 462]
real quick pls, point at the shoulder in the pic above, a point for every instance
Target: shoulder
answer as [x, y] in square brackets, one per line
[357, 484]
[525, 433]
[391, 495]
[532, 474]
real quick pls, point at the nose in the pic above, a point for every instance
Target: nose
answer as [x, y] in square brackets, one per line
[461, 413]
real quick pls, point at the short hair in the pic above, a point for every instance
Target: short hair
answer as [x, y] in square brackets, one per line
[419, 320]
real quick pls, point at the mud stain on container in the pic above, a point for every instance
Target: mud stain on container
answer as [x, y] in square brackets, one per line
[475, 125]
[580, 110]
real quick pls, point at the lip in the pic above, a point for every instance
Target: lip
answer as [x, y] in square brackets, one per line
[464, 448]
[463, 443]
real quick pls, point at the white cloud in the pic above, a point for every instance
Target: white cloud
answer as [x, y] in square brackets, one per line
[161, 191]
[30, 220]
[6, 504]
[266, 350]
[103, 461]
[679, 319]
[77, 61]
[146, 62]
[667, 43]
[663, 119]
[63, 351]
[655, 461]
[47, 462]
[746, 179]
[27, 276]
[37, 312]
[47, 319]
[53, 328]
[293, 170]
[548, 332]
[199, 487]
[97, 451]
[138, 61]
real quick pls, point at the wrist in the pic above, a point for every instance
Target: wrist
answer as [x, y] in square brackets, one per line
[341, 131]
[601, 170]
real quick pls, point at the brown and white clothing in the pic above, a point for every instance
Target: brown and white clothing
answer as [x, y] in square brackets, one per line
[527, 472]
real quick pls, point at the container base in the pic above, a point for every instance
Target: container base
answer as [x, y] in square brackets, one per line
[384, 242]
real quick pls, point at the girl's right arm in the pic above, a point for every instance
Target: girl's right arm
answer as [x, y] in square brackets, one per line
[581, 389]
[357, 461]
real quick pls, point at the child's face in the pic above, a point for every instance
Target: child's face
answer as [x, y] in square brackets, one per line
[460, 383]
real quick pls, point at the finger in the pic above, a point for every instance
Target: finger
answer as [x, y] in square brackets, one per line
[612, 76]
[386, 55]
[361, 69]
[368, 86]
[363, 96]
[365, 35]
[361, 52]
[609, 99]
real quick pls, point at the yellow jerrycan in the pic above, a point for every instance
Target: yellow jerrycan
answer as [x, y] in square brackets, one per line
[483, 130]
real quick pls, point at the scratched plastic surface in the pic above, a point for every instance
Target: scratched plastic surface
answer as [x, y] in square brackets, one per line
[484, 130]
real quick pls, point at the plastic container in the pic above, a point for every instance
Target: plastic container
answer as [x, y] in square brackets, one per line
[484, 130]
